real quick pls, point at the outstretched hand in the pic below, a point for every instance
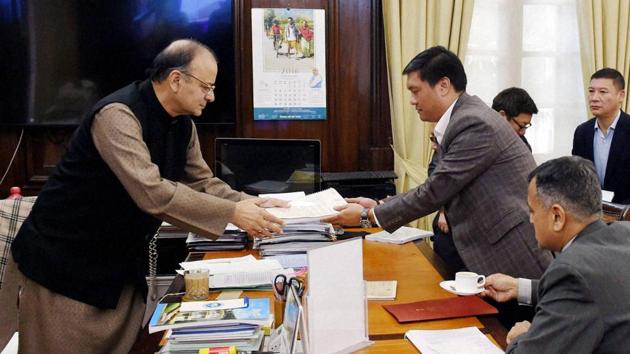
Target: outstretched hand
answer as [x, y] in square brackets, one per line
[362, 201]
[272, 203]
[256, 221]
[349, 215]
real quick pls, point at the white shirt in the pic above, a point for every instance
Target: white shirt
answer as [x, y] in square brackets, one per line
[442, 124]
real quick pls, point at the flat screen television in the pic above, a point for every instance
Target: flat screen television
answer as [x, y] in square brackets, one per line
[260, 166]
[60, 57]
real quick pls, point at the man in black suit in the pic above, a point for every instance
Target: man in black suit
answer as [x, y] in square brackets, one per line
[605, 139]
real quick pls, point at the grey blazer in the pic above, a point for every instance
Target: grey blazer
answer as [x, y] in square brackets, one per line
[481, 179]
[583, 296]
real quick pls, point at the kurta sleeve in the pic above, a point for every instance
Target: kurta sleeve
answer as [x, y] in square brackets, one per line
[205, 207]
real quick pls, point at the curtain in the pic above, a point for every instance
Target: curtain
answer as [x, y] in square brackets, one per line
[532, 44]
[604, 39]
[410, 27]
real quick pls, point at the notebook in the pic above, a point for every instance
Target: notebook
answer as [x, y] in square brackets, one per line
[402, 235]
[453, 307]
[381, 290]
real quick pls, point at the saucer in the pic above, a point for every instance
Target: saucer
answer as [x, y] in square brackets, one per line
[449, 285]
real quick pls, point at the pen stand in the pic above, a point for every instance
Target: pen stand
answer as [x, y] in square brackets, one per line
[279, 344]
[278, 312]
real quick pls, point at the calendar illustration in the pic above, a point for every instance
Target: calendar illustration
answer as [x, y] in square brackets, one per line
[289, 64]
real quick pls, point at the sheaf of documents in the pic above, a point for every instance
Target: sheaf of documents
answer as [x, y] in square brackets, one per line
[248, 279]
[400, 236]
[235, 265]
[315, 205]
[452, 341]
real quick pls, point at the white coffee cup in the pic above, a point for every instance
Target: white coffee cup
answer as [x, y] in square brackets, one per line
[469, 281]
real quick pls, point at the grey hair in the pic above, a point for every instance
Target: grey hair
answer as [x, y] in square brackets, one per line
[571, 182]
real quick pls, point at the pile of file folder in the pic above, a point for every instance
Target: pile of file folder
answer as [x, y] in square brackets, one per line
[232, 239]
[192, 326]
[296, 238]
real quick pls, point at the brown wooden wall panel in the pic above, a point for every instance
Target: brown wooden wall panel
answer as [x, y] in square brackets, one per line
[355, 136]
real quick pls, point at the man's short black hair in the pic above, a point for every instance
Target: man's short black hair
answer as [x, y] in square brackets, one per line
[435, 63]
[514, 101]
[176, 56]
[610, 73]
[571, 182]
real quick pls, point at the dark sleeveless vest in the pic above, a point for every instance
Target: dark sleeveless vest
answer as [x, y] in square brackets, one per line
[85, 237]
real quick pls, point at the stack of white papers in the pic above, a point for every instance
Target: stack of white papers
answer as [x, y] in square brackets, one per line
[403, 235]
[248, 279]
[291, 260]
[232, 265]
[467, 340]
[311, 207]
[294, 247]
[284, 196]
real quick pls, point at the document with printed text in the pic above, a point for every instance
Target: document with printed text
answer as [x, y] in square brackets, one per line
[452, 341]
[315, 205]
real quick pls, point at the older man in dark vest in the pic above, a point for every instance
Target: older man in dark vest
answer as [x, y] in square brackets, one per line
[133, 162]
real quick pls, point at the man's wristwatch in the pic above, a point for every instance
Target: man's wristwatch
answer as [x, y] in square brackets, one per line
[365, 219]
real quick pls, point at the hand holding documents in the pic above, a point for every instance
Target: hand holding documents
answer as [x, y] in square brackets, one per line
[452, 341]
[403, 235]
[311, 207]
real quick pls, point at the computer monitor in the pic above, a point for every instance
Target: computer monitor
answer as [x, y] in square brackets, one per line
[261, 166]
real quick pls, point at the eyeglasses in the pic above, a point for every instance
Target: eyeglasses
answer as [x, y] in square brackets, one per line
[205, 87]
[521, 126]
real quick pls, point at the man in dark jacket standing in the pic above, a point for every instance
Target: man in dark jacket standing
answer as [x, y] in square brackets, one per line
[605, 139]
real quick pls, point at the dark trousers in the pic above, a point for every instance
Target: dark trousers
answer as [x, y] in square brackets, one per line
[444, 246]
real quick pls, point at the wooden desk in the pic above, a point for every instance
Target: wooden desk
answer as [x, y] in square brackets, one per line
[398, 346]
[418, 279]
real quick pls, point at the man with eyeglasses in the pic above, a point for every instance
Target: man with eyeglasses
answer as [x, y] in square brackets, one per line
[605, 139]
[132, 163]
[517, 107]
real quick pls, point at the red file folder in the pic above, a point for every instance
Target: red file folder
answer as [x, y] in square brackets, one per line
[463, 306]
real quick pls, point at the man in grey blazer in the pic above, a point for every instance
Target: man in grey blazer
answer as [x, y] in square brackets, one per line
[582, 299]
[480, 178]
